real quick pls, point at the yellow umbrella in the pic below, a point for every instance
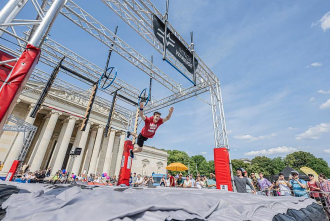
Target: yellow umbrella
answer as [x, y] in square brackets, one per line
[176, 167]
[307, 171]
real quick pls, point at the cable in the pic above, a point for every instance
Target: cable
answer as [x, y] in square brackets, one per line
[12, 42]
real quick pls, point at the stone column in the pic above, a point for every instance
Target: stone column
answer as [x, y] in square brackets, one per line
[120, 154]
[82, 144]
[96, 149]
[42, 144]
[89, 149]
[108, 155]
[64, 144]
[58, 144]
[17, 146]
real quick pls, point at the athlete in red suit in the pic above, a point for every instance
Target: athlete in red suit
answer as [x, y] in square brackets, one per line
[151, 125]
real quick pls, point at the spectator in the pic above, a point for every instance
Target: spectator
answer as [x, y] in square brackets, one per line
[139, 181]
[114, 180]
[283, 185]
[187, 182]
[55, 178]
[248, 188]
[79, 177]
[179, 181]
[90, 178]
[134, 178]
[276, 190]
[145, 181]
[193, 182]
[211, 183]
[64, 178]
[241, 182]
[264, 184]
[314, 187]
[254, 181]
[325, 187]
[150, 181]
[48, 171]
[298, 185]
[162, 181]
[41, 176]
[130, 180]
[204, 179]
[199, 183]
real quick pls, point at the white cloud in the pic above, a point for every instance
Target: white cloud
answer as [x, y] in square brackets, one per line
[292, 128]
[278, 150]
[324, 21]
[325, 105]
[327, 151]
[314, 132]
[315, 64]
[312, 99]
[229, 131]
[254, 138]
[324, 92]
[203, 153]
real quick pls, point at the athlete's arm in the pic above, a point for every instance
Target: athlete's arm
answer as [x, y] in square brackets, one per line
[168, 117]
[143, 117]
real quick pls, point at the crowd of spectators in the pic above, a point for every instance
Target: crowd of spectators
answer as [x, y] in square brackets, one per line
[318, 189]
[200, 182]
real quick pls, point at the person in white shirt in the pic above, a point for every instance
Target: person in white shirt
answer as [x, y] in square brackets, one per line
[283, 185]
[187, 182]
[139, 181]
[167, 181]
[199, 183]
[193, 182]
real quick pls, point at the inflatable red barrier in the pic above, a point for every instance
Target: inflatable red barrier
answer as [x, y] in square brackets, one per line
[12, 170]
[126, 164]
[13, 85]
[222, 169]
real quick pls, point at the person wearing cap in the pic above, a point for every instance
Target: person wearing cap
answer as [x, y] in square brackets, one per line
[179, 181]
[283, 185]
[298, 185]
[241, 182]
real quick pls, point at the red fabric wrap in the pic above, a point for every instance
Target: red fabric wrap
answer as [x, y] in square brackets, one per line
[126, 164]
[16, 82]
[222, 169]
[12, 170]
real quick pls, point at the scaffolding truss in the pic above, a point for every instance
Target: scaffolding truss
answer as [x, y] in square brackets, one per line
[138, 15]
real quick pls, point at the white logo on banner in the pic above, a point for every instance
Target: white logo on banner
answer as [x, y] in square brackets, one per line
[123, 161]
[169, 41]
[129, 162]
[224, 187]
[8, 176]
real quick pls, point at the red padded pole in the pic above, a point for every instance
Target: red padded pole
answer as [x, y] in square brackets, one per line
[126, 164]
[16, 80]
[222, 169]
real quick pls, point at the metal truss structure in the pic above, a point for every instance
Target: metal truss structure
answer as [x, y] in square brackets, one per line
[28, 129]
[138, 15]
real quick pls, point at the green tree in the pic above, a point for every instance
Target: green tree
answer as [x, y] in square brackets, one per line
[264, 163]
[298, 159]
[277, 165]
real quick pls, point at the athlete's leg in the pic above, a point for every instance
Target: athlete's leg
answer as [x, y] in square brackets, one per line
[137, 148]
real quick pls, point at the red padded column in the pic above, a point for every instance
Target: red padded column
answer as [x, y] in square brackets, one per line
[126, 164]
[222, 169]
[11, 89]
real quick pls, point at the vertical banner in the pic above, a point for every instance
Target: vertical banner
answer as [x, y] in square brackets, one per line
[12, 170]
[126, 164]
[174, 45]
[222, 169]
[14, 83]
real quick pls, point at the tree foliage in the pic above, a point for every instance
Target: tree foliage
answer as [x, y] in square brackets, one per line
[258, 164]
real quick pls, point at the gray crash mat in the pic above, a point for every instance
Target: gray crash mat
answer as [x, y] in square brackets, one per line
[48, 202]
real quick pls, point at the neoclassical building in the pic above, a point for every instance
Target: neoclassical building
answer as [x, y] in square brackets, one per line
[59, 132]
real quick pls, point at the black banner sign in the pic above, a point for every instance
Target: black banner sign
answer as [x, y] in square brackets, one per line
[174, 45]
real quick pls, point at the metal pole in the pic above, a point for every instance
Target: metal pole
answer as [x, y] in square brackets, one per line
[165, 30]
[19, 5]
[44, 27]
[152, 61]
[193, 53]
[7, 10]
[110, 113]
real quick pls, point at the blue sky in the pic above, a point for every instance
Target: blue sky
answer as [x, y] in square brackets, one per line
[272, 59]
